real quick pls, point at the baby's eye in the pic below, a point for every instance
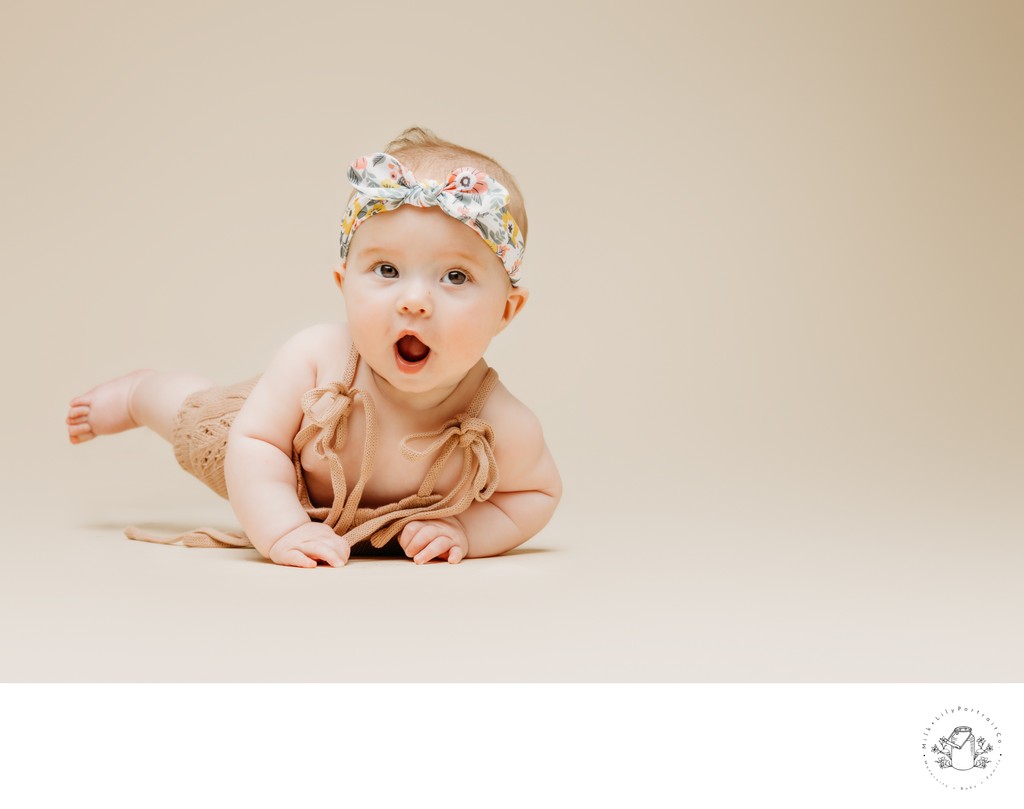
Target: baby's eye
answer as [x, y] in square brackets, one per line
[456, 277]
[386, 271]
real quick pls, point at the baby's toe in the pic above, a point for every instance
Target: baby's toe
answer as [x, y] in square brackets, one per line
[77, 411]
[79, 430]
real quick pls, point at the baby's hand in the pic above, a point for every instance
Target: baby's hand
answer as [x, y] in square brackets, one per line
[427, 539]
[307, 543]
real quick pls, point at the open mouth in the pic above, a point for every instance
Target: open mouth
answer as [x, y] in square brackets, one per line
[411, 352]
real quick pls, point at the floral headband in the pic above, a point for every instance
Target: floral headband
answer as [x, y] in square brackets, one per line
[469, 195]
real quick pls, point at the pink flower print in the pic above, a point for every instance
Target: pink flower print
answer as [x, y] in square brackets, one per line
[359, 164]
[470, 181]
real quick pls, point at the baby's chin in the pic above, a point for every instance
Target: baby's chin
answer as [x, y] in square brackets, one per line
[423, 382]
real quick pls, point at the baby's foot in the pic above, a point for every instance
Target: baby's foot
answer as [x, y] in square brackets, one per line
[105, 409]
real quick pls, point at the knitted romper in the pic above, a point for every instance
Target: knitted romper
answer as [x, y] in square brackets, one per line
[200, 444]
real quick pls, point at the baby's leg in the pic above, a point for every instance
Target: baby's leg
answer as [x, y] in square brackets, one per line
[140, 399]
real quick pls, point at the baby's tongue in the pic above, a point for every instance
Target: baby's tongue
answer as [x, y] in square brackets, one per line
[412, 349]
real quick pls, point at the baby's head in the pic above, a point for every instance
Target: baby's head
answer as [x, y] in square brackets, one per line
[432, 157]
[416, 165]
[431, 249]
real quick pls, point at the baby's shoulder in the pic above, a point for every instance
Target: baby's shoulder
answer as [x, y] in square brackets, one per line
[518, 435]
[325, 346]
[504, 412]
[323, 337]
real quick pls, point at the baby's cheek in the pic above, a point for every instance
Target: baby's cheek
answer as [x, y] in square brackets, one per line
[472, 345]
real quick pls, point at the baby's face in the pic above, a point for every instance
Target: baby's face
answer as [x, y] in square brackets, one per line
[424, 296]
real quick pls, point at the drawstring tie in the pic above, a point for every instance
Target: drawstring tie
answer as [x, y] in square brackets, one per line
[328, 409]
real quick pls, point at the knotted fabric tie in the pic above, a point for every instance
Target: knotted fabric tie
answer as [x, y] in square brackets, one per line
[469, 195]
[472, 434]
[476, 439]
[328, 408]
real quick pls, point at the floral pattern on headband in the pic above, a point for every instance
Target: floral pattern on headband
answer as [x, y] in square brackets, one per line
[469, 195]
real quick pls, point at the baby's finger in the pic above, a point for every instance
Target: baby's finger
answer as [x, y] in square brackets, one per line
[427, 534]
[439, 545]
[295, 558]
[409, 533]
[326, 552]
[456, 555]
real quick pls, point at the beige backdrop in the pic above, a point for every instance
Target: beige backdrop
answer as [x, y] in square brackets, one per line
[774, 336]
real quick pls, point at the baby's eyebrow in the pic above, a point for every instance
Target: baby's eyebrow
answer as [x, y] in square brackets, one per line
[461, 254]
[375, 251]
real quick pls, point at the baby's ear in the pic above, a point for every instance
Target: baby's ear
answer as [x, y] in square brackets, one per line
[339, 276]
[514, 304]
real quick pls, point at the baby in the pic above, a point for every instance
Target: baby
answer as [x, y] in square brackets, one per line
[399, 399]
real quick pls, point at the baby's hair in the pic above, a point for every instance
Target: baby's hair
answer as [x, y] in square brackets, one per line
[432, 157]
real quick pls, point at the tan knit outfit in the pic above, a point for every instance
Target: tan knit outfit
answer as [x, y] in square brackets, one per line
[200, 443]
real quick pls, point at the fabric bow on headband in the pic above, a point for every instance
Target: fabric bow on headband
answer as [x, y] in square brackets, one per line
[468, 195]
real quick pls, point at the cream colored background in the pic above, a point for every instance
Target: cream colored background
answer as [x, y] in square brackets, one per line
[775, 333]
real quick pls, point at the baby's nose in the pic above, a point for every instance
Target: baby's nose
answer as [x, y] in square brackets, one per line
[415, 301]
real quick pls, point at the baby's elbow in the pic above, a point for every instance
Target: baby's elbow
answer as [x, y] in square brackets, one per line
[549, 484]
[554, 487]
[554, 497]
[543, 503]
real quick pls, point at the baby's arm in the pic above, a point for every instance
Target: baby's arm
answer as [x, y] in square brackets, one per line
[258, 468]
[528, 492]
